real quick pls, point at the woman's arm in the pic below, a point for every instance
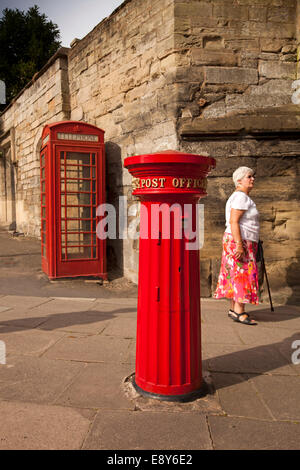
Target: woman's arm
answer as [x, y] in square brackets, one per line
[235, 215]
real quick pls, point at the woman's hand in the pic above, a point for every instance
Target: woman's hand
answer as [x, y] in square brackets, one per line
[235, 216]
[239, 251]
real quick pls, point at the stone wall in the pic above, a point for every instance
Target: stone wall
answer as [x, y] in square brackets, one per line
[44, 100]
[235, 55]
[238, 62]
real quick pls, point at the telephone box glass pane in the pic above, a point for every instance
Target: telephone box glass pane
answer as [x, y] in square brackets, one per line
[78, 158]
[79, 252]
[75, 172]
[78, 205]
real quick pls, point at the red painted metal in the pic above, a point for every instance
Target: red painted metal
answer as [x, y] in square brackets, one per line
[72, 187]
[168, 351]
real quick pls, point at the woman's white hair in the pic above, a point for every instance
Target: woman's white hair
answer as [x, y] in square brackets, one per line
[240, 173]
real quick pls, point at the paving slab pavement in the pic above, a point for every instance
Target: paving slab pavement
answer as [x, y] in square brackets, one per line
[65, 382]
[72, 364]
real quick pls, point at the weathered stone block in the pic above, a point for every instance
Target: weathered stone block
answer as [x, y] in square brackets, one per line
[229, 10]
[264, 30]
[215, 110]
[231, 75]
[238, 102]
[271, 45]
[280, 166]
[277, 70]
[282, 14]
[213, 41]
[258, 13]
[182, 25]
[242, 44]
[211, 57]
[192, 9]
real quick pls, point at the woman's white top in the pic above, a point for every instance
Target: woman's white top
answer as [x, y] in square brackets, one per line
[249, 222]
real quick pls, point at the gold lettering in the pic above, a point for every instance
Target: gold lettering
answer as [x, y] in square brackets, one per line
[175, 182]
[148, 183]
[162, 182]
[182, 182]
[143, 183]
[189, 182]
[154, 183]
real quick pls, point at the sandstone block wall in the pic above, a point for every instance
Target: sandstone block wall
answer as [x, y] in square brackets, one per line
[44, 100]
[238, 58]
[235, 54]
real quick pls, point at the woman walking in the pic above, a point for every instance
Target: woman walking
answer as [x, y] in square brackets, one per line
[238, 278]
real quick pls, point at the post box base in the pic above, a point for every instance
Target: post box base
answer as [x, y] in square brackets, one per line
[199, 393]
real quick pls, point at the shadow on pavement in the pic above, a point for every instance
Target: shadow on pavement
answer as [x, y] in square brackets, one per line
[54, 321]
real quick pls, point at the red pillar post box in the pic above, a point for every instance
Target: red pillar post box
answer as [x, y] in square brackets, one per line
[168, 353]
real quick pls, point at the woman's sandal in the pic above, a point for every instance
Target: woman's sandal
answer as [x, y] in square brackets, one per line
[232, 314]
[236, 317]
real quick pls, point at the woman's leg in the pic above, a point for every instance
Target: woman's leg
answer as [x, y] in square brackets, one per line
[240, 308]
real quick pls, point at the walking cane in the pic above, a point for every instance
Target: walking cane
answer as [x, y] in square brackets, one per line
[261, 258]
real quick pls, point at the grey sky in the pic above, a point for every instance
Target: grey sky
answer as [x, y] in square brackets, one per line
[75, 18]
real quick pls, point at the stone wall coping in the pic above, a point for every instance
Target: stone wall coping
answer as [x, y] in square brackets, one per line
[61, 52]
[269, 120]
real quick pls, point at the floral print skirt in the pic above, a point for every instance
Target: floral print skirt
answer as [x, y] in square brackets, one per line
[238, 279]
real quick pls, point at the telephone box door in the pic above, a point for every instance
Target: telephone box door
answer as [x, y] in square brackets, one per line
[79, 176]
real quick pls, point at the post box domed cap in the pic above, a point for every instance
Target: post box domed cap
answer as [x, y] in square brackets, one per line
[169, 156]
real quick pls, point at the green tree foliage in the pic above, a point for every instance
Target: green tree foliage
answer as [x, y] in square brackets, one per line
[27, 41]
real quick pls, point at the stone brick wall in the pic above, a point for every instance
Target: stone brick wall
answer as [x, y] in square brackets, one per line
[237, 61]
[235, 54]
[44, 100]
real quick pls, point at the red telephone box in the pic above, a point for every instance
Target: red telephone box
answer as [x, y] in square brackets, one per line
[72, 187]
[168, 349]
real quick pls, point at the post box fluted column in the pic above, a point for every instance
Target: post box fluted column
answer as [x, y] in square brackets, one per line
[168, 352]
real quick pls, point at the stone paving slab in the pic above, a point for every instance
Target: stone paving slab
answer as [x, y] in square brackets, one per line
[281, 394]
[62, 305]
[90, 348]
[36, 379]
[214, 333]
[239, 397]
[98, 386]
[76, 322]
[230, 433]
[244, 359]
[263, 336]
[148, 430]
[123, 327]
[22, 302]
[121, 309]
[28, 426]
[30, 342]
